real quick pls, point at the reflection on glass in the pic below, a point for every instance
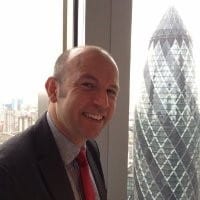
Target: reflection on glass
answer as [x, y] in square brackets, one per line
[166, 122]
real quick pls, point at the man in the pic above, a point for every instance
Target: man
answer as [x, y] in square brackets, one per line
[42, 162]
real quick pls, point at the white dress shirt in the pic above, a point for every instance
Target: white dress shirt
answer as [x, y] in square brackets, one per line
[69, 152]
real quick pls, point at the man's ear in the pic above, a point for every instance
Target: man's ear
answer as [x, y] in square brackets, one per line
[51, 86]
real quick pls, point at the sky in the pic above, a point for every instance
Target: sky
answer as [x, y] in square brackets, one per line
[30, 42]
[146, 16]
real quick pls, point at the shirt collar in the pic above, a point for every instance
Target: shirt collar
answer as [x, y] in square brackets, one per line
[67, 149]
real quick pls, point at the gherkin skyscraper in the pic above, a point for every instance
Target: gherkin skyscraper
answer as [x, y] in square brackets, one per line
[167, 118]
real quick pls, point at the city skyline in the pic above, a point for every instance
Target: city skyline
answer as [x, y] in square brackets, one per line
[16, 115]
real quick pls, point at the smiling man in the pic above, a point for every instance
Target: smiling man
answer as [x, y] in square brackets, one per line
[46, 161]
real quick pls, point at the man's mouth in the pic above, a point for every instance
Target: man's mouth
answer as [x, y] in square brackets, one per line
[97, 117]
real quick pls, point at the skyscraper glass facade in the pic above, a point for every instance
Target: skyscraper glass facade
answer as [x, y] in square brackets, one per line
[167, 119]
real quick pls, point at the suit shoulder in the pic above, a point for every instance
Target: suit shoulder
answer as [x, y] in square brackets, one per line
[21, 146]
[17, 149]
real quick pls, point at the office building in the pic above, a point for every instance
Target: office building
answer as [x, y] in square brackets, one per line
[167, 119]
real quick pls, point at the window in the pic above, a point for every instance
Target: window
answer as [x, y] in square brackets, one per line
[164, 107]
[31, 40]
[107, 24]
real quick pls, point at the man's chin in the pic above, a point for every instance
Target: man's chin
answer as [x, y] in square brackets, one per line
[92, 135]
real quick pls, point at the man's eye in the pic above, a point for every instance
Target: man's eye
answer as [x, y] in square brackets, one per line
[112, 92]
[88, 85]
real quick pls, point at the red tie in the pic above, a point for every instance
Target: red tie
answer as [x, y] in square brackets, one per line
[88, 187]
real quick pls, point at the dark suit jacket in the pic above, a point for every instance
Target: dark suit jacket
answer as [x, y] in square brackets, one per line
[31, 167]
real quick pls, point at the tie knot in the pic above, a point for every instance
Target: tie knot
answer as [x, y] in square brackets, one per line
[81, 158]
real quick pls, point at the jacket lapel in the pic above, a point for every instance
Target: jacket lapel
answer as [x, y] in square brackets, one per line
[98, 179]
[56, 179]
[50, 163]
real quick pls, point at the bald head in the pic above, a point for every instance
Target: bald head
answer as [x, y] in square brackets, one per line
[75, 57]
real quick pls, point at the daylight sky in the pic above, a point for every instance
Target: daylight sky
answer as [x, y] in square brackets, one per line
[30, 41]
[145, 19]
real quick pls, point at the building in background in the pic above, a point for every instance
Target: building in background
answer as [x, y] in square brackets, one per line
[167, 119]
[15, 116]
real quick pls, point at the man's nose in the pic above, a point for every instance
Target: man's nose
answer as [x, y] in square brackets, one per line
[101, 99]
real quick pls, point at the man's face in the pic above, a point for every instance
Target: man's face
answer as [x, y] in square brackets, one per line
[87, 97]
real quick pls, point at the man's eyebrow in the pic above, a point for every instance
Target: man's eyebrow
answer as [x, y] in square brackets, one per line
[88, 76]
[116, 87]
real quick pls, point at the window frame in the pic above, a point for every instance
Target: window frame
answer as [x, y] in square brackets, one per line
[108, 24]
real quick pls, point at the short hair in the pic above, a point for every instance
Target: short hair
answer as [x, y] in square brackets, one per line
[60, 65]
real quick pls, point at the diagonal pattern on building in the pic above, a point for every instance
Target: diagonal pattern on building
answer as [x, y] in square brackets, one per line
[167, 118]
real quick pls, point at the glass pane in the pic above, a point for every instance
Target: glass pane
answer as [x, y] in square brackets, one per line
[81, 22]
[164, 125]
[31, 40]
